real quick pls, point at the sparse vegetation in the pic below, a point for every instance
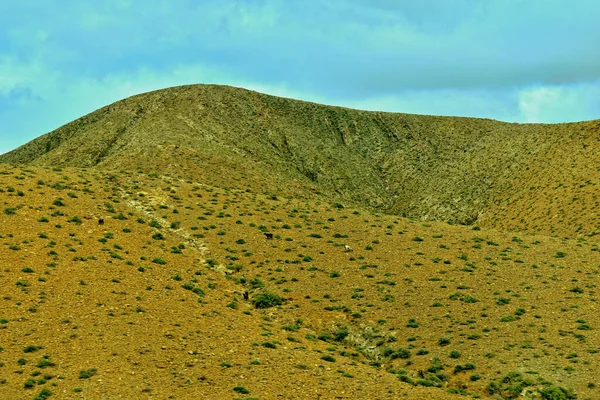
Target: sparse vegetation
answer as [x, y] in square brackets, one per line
[192, 293]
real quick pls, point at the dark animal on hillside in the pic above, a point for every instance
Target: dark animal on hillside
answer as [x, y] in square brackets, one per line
[269, 235]
[245, 296]
[100, 221]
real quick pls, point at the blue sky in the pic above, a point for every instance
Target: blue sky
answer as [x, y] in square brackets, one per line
[512, 60]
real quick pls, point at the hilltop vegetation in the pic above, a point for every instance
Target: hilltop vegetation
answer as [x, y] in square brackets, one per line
[136, 264]
[531, 177]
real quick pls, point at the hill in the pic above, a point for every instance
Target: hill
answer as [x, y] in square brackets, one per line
[135, 262]
[150, 303]
[530, 177]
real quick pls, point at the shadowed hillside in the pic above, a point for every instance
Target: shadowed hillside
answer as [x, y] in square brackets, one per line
[534, 177]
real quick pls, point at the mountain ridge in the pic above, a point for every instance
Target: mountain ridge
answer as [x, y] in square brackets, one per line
[450, 169]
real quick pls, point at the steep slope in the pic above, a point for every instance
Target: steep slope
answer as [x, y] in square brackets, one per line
[460, 170]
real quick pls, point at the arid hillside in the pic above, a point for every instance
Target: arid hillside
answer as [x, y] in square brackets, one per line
[216, 243]
[150, 304]
[532, 177]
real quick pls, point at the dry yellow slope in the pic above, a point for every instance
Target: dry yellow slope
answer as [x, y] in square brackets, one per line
[127, 310]
[556, 191]
[475, 311]
[150, 303]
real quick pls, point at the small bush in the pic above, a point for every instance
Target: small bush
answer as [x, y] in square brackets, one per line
[401, 353]
[412, 323]
[241, 390]
[267, 300]
[557, 393]
[29, 383]
[87, 373]
[341, 334]
[43, 394]
[31, 348]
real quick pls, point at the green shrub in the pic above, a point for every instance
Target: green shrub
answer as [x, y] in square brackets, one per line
[87, 373]
[412, 323]
[45, 362]
[29, 383]
[241, 390]
[341, 334]
[43, 394]
[267, 300]
[400, 353]
[557, 393]
[31, 348]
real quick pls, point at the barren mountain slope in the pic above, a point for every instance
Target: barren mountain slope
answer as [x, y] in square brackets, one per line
[461, 170]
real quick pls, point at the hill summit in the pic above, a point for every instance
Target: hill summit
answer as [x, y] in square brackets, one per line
[534, 177]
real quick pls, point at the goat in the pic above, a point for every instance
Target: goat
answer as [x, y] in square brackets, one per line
[101, 221]
[347, 248]
[245, 295]
[269, 235]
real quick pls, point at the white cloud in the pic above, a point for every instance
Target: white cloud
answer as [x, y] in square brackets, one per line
[560, 103]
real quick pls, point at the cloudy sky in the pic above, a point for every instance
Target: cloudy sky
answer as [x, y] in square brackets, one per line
[512, 60]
